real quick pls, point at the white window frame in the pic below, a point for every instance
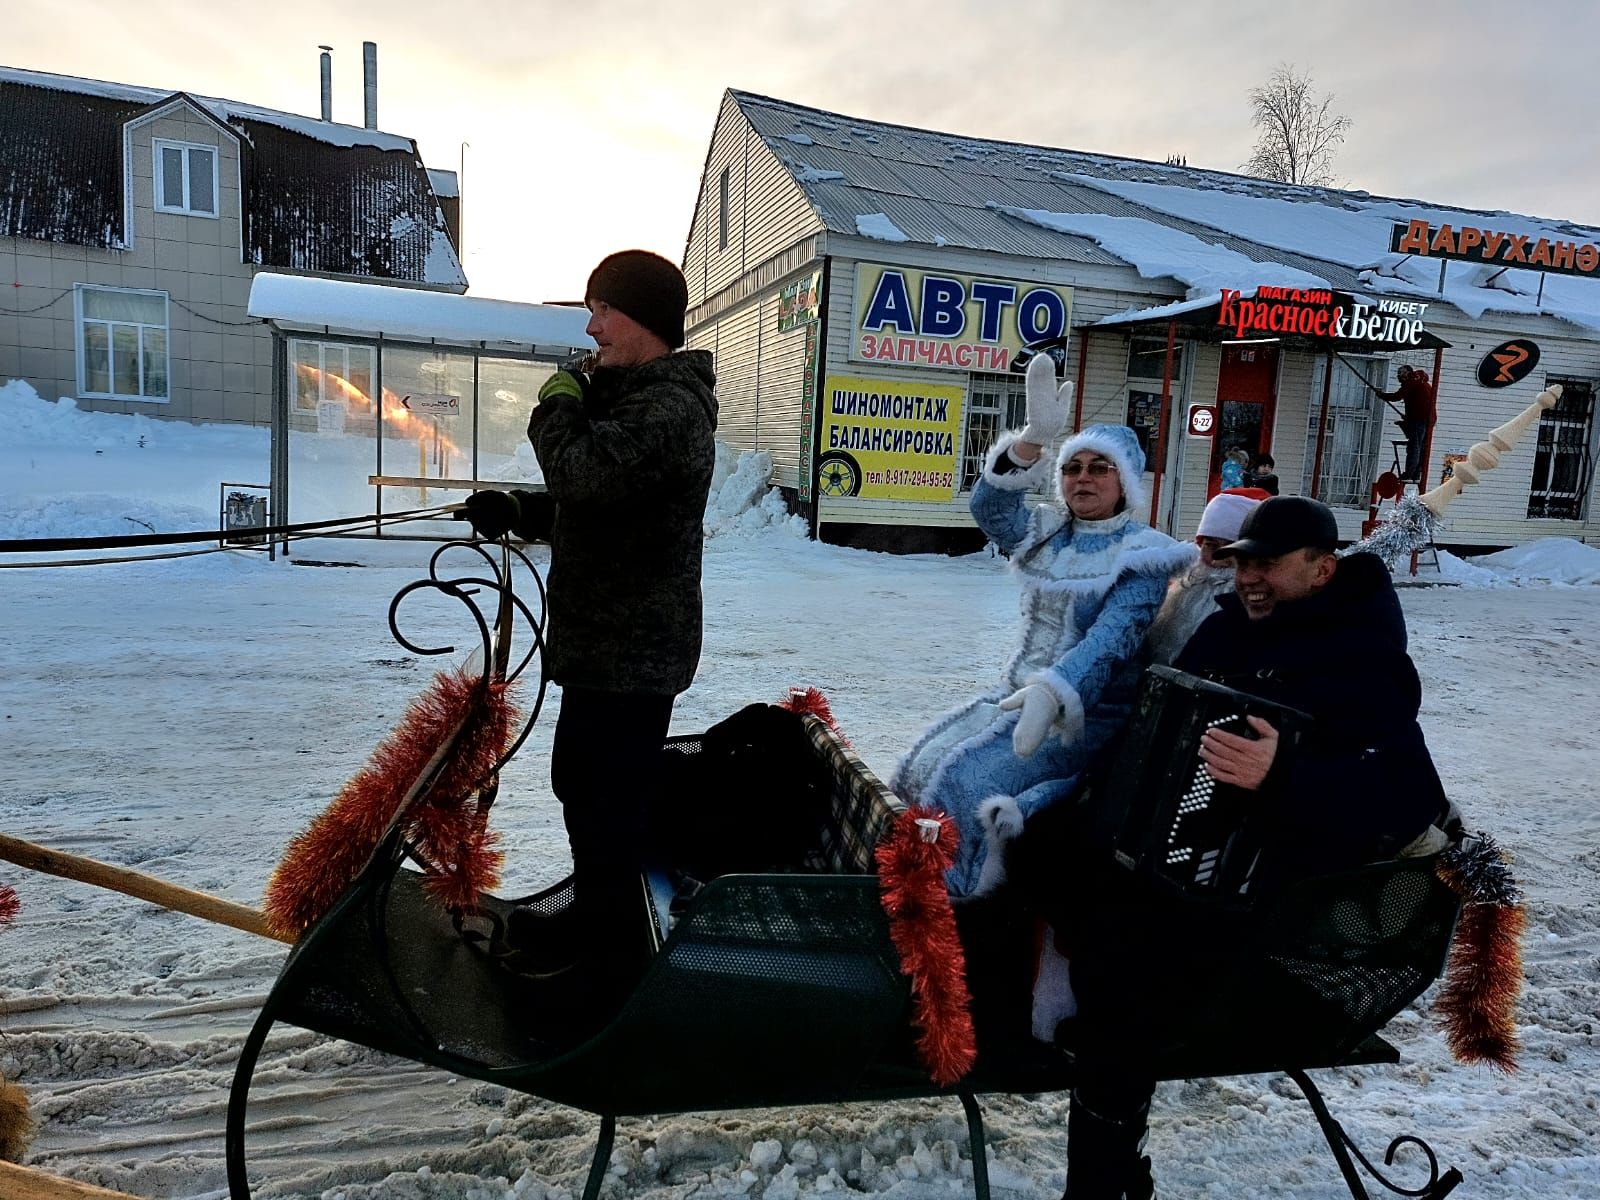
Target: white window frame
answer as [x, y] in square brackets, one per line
[158, 175]
[79, 322]
[995, 403]
[332, 358]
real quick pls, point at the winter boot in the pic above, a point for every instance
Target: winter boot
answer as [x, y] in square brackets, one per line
[1103, 1154]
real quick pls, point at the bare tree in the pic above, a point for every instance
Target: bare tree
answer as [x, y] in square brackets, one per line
[1298, 133]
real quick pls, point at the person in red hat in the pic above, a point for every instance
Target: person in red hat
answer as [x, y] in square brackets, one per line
[1419, 412]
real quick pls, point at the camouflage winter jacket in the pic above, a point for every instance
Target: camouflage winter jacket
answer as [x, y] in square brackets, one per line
[629, 467]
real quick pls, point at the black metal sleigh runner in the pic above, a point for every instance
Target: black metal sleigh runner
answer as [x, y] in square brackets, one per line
[838, 978]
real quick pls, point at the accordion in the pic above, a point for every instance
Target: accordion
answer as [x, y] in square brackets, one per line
[1170, 820]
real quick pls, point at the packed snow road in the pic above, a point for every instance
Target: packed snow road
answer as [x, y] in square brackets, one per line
[187, 718]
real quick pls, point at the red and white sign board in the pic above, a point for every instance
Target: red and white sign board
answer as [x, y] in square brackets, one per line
[1202, 420]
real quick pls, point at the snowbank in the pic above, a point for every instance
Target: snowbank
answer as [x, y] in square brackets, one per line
[65, 472]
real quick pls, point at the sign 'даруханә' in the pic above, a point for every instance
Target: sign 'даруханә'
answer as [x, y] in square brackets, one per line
[1323, 315]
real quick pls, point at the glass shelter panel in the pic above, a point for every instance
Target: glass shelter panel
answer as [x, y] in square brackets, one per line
[508, 389]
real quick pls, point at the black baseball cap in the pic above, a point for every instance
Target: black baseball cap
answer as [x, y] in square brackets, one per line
[1282, 524]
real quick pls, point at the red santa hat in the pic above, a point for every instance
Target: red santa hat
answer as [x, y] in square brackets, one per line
[1225, 514]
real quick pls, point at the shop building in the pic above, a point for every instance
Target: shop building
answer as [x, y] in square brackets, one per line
[871, 291]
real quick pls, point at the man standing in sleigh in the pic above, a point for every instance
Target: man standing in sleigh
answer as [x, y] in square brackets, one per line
[627, 453]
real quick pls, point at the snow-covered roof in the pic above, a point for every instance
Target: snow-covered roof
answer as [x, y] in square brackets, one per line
[314, 196]
[1204, 230]
[324, 131]
[409, 314]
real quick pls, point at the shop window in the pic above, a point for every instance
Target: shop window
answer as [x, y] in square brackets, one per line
[1563, 457]
[332, 384]
[1147, 359]
[122, 343]
[1147, 362]
[1351, 442]
[186, 178]
[994, 403]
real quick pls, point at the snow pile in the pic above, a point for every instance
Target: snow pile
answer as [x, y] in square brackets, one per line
[1545, 561]
[1548, 560]
[742, 500]
[69, 473]
[880, 227]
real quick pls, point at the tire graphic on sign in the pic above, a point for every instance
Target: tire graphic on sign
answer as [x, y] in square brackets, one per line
[838, 474]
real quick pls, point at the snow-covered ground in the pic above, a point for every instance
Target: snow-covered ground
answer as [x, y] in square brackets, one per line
[187, 717]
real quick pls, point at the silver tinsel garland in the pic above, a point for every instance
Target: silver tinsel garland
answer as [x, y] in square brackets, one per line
[1408, 526]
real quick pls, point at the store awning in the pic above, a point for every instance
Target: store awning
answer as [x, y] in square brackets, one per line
[1318, 321]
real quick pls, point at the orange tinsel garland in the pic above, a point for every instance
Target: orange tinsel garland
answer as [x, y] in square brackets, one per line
[448, 827]
[1483, 979]
[923, 929]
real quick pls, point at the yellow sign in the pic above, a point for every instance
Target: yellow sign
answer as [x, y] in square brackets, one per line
[953, 322]
[883, 440]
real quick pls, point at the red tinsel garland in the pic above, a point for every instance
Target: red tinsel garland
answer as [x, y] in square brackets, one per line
[10, 904]
[923, 928]
[449, 828]
[811, 700]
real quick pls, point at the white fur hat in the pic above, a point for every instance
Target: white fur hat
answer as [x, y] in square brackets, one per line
[1225, 515]
[1118, 443]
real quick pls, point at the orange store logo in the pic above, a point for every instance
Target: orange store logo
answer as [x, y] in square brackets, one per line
[1473, 243]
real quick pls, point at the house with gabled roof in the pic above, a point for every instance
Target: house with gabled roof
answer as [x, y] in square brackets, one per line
[132, 221]
[870, 292]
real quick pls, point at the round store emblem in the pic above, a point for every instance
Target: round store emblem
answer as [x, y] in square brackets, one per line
[1202, 420]
[1508, 363]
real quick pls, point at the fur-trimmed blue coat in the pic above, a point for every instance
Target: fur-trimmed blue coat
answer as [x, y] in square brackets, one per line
[1089, 592]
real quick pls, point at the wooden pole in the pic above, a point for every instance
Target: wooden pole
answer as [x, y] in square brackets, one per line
[1083, 372]
[1163, 426]
[1322, 427]
[28, 1183]
[138, 885]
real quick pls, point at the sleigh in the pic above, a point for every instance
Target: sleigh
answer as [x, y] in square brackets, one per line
[784, 988]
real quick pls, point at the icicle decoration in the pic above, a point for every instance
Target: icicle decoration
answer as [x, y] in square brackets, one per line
[912, 859]
[1415, 521]
[1483, 979]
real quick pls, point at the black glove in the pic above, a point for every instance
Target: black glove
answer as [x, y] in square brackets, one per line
[493, 514]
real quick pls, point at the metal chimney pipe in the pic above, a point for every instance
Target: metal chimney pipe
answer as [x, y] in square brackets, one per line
[369, 81]
[327, 82]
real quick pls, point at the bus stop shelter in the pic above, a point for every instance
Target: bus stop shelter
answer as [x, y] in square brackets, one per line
[400, 398]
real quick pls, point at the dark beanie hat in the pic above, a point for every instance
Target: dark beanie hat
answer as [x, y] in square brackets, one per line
[647, 287]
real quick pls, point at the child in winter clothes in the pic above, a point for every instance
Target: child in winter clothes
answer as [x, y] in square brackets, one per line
[1092, 577]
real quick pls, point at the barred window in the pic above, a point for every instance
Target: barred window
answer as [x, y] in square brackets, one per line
[1563, 457]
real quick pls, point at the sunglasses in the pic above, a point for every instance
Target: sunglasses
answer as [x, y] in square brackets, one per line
[1099, 468]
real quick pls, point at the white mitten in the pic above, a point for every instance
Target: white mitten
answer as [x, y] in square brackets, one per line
[1040, 708]
[1049, 407]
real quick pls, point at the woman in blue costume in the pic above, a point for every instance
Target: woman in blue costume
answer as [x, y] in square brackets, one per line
[1092, 577]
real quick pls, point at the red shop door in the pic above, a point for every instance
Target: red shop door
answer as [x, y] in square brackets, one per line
[1245, 402]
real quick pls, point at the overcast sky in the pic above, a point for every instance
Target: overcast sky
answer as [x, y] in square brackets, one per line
[588, 123]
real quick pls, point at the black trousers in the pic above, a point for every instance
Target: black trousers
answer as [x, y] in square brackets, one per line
[1416, 435]
[605, 768]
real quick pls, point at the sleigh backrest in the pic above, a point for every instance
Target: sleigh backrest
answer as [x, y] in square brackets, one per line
[861, 807]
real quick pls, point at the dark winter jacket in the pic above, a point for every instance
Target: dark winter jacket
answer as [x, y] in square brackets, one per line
[629, 468]
[1361, 784]
[1415, 393]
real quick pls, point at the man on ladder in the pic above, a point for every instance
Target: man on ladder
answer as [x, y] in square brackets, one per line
[1418, 414]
